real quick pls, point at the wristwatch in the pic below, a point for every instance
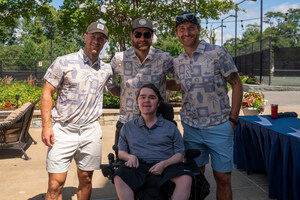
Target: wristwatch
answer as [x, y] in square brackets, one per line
[235, 121]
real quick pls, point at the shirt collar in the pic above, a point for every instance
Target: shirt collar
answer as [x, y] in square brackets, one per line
[88, 61]
[159, 121]
[200, 49]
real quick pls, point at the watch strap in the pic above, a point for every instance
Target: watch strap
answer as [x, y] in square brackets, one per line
[235, 121]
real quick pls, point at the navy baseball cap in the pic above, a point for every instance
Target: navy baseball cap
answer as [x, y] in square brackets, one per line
[186, 17]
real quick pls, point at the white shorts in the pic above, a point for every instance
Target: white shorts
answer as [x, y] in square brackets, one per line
[83, 143]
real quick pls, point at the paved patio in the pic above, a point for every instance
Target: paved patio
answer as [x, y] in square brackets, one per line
[21, 179]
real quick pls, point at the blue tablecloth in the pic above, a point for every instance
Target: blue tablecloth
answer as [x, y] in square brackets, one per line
[275, 149]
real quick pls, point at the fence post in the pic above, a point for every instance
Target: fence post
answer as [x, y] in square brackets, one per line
[270, 49]
[252, 57]
[36, 68]
[1, 63]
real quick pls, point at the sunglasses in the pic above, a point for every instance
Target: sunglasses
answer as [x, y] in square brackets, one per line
[147, 35]
[188, 17]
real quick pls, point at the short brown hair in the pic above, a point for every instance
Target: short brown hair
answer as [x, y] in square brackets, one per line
[150, 86]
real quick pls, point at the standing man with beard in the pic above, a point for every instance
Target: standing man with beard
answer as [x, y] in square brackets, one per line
[203, 71]
[137, 66]
[79, 79]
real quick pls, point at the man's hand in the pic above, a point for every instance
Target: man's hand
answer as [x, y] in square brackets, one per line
[132, 162]
[48, 136]
[158, 168]
[232, 125]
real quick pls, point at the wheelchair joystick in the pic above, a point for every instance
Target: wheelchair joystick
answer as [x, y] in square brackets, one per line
[111, 158]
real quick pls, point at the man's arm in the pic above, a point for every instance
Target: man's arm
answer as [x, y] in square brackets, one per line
[237, 95]
[115, 91]
[130, 160]
[158, 168]
[46, 106]
[172, 85]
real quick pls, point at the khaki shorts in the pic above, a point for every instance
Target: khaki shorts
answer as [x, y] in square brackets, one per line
[83, 143]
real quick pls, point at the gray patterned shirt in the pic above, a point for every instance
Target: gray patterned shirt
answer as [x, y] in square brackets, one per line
[134, 74]
[79, 87]
[205, 102]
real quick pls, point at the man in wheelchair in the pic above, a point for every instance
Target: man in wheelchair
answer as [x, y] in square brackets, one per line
[149, 145]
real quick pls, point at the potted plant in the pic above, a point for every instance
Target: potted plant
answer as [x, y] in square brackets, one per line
[253, 103]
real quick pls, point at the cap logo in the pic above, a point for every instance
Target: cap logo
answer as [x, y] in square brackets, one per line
[142, 22]
[100, 26]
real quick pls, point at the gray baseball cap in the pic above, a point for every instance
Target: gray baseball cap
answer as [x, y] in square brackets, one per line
[142, 23]
[97, 27]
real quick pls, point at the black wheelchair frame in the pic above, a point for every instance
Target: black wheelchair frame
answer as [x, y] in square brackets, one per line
[200, 186]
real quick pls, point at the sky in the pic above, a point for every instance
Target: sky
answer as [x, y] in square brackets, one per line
[252, 15]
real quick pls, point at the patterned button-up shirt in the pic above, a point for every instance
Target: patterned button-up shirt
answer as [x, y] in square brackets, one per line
[205, 102]
[134, 74]
[79, 87]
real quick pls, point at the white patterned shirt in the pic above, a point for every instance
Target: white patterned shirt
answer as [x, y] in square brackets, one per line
[134, 74]
[79, 88]
[205, 102]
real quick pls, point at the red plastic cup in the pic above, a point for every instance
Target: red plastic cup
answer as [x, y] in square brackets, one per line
[274, 111]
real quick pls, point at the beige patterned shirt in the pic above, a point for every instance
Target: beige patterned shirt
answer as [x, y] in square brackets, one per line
[79, 88]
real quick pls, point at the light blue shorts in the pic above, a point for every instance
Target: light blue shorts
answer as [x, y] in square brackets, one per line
[83, 143]
[216, 142]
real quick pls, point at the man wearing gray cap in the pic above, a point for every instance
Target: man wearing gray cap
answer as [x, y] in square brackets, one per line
[78, 79]
[137, 66]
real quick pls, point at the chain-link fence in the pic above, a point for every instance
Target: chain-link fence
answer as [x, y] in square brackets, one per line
[280, 61]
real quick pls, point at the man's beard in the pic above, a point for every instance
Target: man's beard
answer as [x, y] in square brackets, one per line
[142, 48]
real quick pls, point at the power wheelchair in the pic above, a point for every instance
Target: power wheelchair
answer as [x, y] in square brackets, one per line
[200, 186]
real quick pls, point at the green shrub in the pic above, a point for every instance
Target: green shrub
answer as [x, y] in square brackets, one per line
[110, 101]
[27, 91]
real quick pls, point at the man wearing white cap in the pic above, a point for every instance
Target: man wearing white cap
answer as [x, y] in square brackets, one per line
[78, 79]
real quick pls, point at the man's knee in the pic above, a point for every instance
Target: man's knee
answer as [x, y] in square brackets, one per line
[85, 177]
[118, 181]
[183, 180]
[54, 189]
[222, 178]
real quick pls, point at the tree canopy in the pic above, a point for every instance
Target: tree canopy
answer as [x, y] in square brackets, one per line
[118, 15]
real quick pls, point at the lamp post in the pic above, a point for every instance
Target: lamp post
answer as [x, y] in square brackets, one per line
[51, 25]
[235, 38]
[224, 26]
[219, 27]
[261, 40]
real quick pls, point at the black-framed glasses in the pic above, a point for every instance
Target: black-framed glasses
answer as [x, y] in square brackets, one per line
[147, 35]
[188, 17]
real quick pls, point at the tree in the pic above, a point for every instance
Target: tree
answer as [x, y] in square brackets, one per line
[283, 28]
[118, 15]
[12, 10]
[169, 43]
